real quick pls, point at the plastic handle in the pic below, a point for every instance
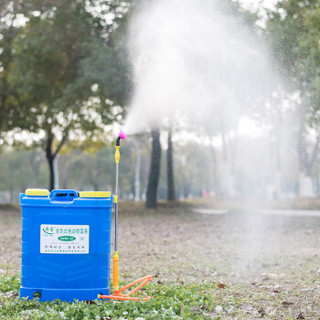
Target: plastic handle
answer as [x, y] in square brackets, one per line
[117, 154]
[63, 195]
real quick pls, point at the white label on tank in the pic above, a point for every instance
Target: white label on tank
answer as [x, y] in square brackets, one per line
[64, 239]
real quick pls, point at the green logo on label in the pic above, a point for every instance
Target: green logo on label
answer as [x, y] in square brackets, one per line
[51, 233]
[66, 238]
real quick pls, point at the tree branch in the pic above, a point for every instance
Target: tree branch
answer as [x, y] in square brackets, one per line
[62, 142]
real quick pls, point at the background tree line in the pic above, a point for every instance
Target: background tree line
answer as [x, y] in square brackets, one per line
[65, 77]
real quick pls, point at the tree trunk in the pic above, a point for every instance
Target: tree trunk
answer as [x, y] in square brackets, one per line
[66, 169]
[278, 146]
[137, 175]
[225, 167]
[12, 198]
[50, 158]
[35, 165]
[56, 173]
[170, 172]
[154, 173]
[214, 176]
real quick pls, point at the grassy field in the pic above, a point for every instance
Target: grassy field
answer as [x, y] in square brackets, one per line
[237, 265]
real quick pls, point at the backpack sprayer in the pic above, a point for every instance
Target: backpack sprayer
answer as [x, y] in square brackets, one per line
[117, 293]
[66, 244]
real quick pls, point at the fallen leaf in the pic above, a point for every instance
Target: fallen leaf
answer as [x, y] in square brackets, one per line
[261, 312]
[287, 303]
[269, 276]
[300, 316]
[222, 286]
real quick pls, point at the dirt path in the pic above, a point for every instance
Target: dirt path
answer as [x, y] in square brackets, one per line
[270, 261]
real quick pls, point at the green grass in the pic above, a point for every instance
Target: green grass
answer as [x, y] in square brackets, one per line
[174, 301]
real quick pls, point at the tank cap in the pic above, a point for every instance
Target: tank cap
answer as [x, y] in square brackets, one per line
[37, 192]
[94, 194]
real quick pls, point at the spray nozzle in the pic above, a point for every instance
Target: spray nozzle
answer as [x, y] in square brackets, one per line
[121, 135]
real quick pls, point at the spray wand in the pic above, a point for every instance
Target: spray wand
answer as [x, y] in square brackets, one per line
[121, 135]
[117, 293]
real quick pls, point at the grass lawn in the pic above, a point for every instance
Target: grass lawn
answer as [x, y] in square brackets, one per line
[238, 265]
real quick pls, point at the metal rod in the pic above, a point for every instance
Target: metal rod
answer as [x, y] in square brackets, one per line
[116, 209]
[115, 225]
[117, 178]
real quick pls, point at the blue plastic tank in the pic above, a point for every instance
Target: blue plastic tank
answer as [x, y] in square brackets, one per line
[66, 243]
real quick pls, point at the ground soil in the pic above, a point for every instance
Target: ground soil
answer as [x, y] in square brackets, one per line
[267, 266]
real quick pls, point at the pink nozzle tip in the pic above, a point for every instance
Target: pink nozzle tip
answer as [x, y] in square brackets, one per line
[122, 135]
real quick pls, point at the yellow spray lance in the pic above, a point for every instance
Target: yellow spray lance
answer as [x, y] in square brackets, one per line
[117, 293]
[116, 256]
